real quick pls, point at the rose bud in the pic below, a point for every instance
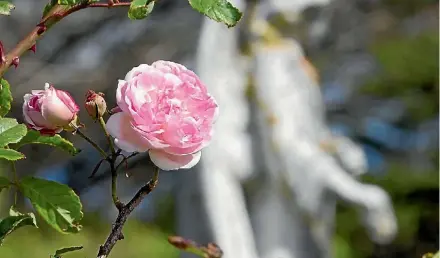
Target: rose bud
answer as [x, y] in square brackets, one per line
[167, 111]
[95, 104]
[50, 110]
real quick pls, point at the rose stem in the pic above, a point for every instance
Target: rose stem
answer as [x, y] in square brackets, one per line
[85, 137]
[116, 232]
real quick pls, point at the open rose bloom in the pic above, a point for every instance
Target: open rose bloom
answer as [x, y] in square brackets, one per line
[165, 110]
[50, 110]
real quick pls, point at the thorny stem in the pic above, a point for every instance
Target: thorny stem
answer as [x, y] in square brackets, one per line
[126, 159]
[55, 15]
[119, 205]
[113, 168]
[116, 232]
[107, 135]
[85, 137]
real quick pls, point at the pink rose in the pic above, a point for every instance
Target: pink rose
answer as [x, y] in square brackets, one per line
[49, 110]
[167, 111]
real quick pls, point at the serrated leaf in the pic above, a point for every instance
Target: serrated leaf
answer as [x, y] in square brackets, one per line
[6, 7]
[56, 203]
[218, 10]
[34, 137]
[11, 131]
[139, 9]
[49, 6]
[70, 2]
[64, 250]
[5, 97]
[11, 154]
[14, 221]
[4, 183]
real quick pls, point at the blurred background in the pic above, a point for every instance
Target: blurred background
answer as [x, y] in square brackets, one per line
[375, 63]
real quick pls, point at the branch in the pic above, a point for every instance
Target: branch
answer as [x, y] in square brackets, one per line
[210, 251]
[124, 212]
[55, 15]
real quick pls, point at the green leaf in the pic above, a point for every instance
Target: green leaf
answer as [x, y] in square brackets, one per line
[33, 136]
[11, 131]
[10, 154]
[140, 9]
[6, 7]
[5, 97]
[4, 183]
[70, 2]
[218, 10]
[56, 203]
[49, 6]
[431, 255]
[14, 221]
[64, 250]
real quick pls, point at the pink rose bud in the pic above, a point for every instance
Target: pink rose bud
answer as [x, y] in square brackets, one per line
[95, 104]
[50, 110]
[167, 111]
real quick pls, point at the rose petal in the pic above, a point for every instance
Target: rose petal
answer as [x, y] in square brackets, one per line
[119, 126]
[55, 111]
[67, 99]
[120, 95]
[166, 161]
[135, 71]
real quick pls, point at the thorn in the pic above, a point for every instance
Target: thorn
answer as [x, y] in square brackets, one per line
[15, 62]
[41, 29]
[2, 53]
[33, 48]
[96, 168]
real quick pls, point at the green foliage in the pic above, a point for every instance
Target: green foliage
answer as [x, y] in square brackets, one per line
[56, 203]
[430, 255]
[139, 9]
[218, 10]
[404, 8]
[64, 250]
[4, 183]
[6, 7]
[410, 72]
[70, 2]
[49, 6]
[14, 221]
[403, 186]
[34, 137]
[142, 240]
[11, 131]
[5, 97]
[10, 154]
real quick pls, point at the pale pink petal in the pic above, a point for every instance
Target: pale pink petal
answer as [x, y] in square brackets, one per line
[151, 137]
[68, 100]
[135, 71]
[55, 111]
[169, 67]
[120, 95]
[166, 161]
[184, 151]
[127, 139]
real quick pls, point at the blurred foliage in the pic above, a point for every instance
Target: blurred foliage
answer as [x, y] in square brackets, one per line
[141, 240]
[415, 200]
[410, 73]
[407, 7]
